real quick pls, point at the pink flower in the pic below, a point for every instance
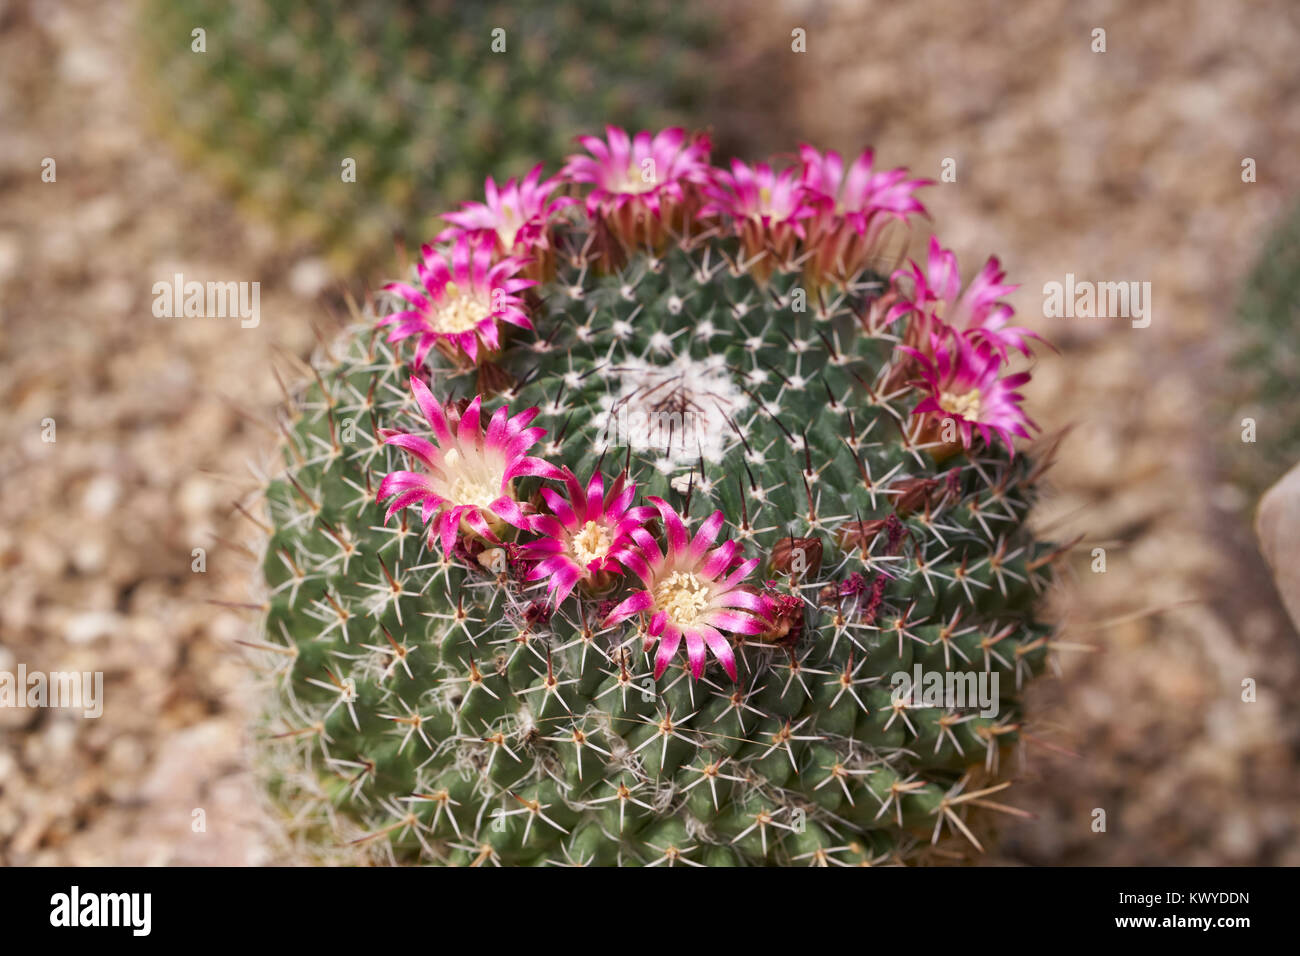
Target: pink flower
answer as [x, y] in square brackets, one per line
[691, 592]
[469, 474]
[586, 537]
[515, 215]
[937, 300]
[757, 193]
[460, 302]
[964, 384]
[638, 182]
[855, 207]
[863, 194]
[767, 208]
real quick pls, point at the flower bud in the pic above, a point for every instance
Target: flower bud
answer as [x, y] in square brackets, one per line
[797, 556]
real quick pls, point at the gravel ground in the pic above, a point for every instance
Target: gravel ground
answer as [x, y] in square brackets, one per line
[153, 441]
[1112, 166]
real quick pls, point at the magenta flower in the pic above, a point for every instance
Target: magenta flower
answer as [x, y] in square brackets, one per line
[515, 215]
[757, 193]
[862, 194]
[767, 208]
[460, 301]
[855, 206]
[963, 382]
[586, 537]
[937, 300]
[469, 474]
[691, 592]
[638, 181]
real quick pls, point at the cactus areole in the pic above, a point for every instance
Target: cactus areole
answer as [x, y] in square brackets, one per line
[620, 530]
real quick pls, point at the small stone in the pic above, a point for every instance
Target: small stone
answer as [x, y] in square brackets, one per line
[90, 626]
[101, 495]
[309, 277]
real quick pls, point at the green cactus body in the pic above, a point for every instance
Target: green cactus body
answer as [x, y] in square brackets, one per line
[434, 707]
[1266, 363]
[425, 97]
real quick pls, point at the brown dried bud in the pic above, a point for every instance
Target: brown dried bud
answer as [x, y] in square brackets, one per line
[939, 434]
[797, 556]
[914, 494]
[858, 534]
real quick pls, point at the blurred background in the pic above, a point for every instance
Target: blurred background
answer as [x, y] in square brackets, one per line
[223, 165]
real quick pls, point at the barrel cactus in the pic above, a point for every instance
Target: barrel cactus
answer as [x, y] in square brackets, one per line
[424, 97]
[605, 535]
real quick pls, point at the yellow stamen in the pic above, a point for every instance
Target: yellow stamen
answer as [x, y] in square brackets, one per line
[684, 596]
[635, 182]
[468, 484]
[591, 543]
[459, 312]
[966, 405]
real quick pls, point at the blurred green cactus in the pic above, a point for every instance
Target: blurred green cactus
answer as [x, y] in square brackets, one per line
[1265, 365]
[426, 97]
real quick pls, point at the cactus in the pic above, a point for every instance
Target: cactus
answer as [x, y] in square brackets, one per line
[1266, 365]
[424, 96]
[674, 483]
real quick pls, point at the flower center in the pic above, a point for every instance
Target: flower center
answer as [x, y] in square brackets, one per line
[458, 311]
[470, 483]
[591, 543]
[634, 182]
[684, 596]
[966, 405]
